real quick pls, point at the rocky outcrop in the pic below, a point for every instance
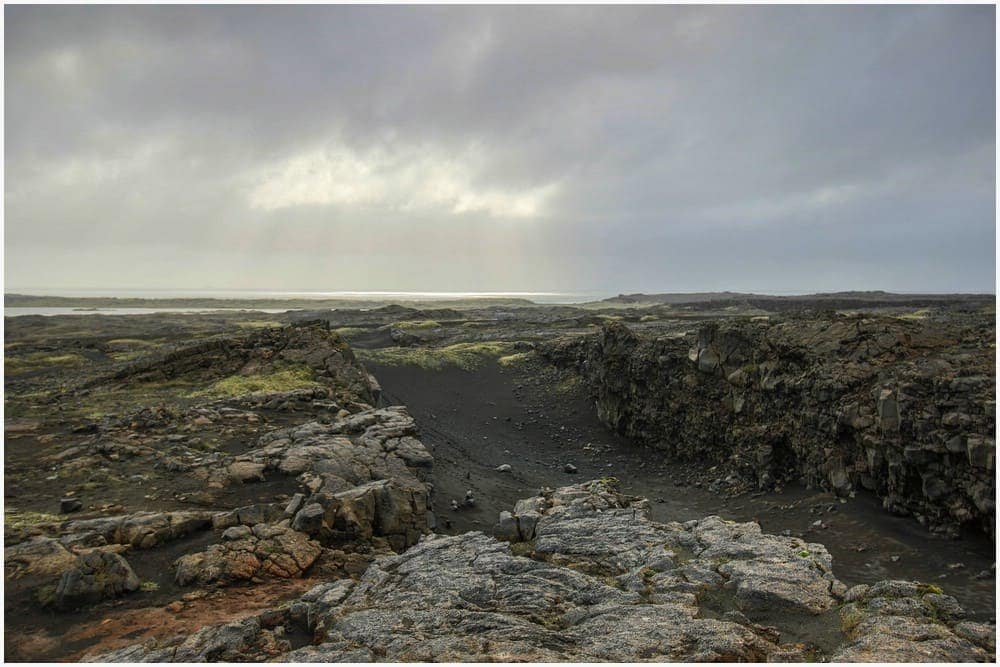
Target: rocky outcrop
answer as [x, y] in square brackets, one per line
[95, 576]
[598, 581]
[367, 478]
[142, 530]
[911, 621]
[366, 475]
[902, 408]
[310, 344]
[50, 555]
[246, 554]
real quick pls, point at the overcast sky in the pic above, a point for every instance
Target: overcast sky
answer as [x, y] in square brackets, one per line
[445, 148]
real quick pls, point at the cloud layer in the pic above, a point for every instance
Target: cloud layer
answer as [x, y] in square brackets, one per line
[511, 148]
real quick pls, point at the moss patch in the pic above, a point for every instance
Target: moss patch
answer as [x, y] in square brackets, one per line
[130, 342]
[348, 332]
[569, 385]
[467, 356]
[850, 616]
[15, 520]
[924, 589]
[40, 360]
[408, 325]
[258, 324]
[286, 379]
[516, 358]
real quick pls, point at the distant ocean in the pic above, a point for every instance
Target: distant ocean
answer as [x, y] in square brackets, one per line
[537, 297]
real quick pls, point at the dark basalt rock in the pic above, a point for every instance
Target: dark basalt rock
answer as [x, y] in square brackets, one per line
[905, 409]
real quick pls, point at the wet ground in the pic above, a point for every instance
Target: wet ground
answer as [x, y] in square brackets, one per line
[475, 421]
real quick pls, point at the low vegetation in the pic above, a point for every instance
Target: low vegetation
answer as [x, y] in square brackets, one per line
[349, 332]
[40, 360]
[285, 379]
[467, 356]
[516, 358]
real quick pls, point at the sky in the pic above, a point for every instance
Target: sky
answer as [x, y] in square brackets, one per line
[597, 149]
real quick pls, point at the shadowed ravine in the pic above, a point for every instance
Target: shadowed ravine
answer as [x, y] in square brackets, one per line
[470, 420]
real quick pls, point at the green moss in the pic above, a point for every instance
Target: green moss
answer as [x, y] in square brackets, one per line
[15, 520]
[286, 379]
[349, 332]
[924, 589]
[467, 356]
[516, 358]
[46, 595]
[850, 616]
[258, 324]
[524, 549]
[610, 482]
[130, 342]
[408, 325]
[805, 553]
[40, 360]
[648, 318]
[149, 587]
[126, 356]
[569, 385]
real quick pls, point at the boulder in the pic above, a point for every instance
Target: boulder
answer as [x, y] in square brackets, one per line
[245, 554]
[95, 576]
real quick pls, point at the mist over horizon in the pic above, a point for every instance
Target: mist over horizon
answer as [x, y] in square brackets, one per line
[595, 150]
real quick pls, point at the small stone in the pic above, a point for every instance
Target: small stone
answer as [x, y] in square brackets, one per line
[67, 505]
[295, 504]
[236, 533]
[569, 469]
[504, 468]
[175, 607]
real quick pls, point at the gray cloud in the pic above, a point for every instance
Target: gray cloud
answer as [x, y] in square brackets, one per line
[493, 148]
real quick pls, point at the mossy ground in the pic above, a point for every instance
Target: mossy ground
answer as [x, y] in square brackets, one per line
[349, 332]
[284, 379]
[416, 325]
[40, 360]
[467, 356]
[516, 358]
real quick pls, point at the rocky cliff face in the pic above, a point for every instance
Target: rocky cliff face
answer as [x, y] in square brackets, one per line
[594, 579]
[905, 409]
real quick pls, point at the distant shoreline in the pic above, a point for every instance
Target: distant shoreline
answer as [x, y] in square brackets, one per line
[368, 300]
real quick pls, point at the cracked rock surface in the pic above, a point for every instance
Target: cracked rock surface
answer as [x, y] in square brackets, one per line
[597, 580]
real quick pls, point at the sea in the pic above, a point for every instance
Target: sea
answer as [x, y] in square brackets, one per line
[536, 297]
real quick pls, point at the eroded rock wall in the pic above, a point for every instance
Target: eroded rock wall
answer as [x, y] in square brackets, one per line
[903, 408]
